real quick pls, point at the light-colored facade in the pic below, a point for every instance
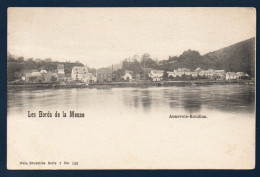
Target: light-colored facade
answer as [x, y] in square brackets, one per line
[79, 72]
[219, 74]
[33, 77]
[50, 77]
[90, 78]
[171, 73]
[241, 74]
[128, 75]
[156, 75]
[207, 73]
[210, 73]
[231, 76]
[60, 68]
[43, 71]
[182, 71]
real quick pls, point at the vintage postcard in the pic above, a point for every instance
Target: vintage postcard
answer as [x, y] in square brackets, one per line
[131, 88]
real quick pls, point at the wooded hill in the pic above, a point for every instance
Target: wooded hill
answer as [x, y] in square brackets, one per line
[17, 67]
[239, 57]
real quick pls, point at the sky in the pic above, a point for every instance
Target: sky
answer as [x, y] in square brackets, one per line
[100, 37]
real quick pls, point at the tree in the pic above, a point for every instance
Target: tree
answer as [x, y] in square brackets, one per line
[10, 58]
[30, 59]
[165, 76]
[20, 59]
[117, 75]
[133, 65]
[53, 79]
[171, 78]
[48, 60]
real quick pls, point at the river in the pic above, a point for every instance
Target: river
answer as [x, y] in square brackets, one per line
[131, 126]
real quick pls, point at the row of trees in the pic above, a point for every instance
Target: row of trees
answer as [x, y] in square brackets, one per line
[239, 57]
[12, 58]
[188, 59]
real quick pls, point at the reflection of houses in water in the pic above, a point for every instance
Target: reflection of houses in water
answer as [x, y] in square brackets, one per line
[138, 98]
[146, 99]
[192, 101]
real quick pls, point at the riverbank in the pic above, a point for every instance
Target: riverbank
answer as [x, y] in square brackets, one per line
[133, 84]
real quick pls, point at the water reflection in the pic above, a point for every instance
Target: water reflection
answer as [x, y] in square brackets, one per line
[146, 99]
[223, 98]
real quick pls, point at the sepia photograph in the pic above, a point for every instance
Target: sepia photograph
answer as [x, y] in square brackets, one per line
[131, 88]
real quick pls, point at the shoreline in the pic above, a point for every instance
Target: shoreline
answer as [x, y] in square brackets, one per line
[134, 84]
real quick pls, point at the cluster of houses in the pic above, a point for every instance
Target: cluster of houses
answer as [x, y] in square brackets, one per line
[80, 73]
[157, 75]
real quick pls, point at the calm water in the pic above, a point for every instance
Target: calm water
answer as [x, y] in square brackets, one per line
[196, 99]
[131, 128]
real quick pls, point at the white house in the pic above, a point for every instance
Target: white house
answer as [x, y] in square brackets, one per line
[128, 75]
[219, 74]
[181, 71]
[43, 71]
[33, 77]
[79, 72]
[241, 74]
[208, 73]
[231, 76]
[90, 78]
[60, 68]
[172, 73]
[156, 75]
[198, 70]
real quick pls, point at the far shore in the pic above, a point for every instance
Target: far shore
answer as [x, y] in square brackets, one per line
[132, 84]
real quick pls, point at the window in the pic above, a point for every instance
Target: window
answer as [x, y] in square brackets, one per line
[76, 75]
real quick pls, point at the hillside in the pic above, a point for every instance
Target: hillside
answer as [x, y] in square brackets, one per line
[15, 68]
[237, 57]
[115, 67]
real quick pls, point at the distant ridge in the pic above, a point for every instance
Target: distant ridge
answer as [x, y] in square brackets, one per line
[115, 67]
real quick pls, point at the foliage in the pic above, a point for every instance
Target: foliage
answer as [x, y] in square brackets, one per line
[20, 67]
[239, 57]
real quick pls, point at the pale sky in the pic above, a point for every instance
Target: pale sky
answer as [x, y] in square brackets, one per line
[100, 37]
